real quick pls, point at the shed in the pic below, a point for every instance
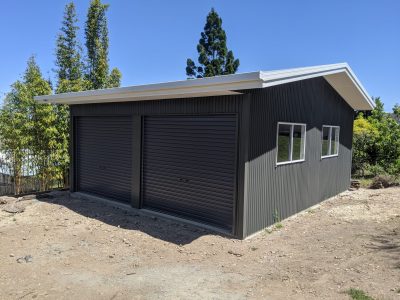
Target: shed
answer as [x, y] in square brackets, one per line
[236, 152]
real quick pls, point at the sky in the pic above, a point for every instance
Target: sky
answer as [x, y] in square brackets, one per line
[151, 40]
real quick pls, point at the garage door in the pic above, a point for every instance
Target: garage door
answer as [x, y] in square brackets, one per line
[104, 156]
[189, 167]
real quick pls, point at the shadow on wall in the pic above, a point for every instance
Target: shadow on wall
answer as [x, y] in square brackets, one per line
[313, 102]
[167, 230]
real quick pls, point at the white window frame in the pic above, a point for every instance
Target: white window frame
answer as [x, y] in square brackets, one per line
[330, 140]
[290, 161]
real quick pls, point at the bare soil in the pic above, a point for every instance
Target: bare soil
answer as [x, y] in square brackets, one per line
[59, 247]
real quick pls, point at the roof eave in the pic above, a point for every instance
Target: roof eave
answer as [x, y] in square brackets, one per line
[221, 85]
[364, 101]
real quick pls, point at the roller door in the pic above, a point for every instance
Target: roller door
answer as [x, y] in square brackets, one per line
[104, 156]
[189, 167]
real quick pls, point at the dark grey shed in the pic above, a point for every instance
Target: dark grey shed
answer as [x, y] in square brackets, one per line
[205, 150]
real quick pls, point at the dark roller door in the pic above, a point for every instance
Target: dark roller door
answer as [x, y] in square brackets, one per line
[189, 167]
[104, 156]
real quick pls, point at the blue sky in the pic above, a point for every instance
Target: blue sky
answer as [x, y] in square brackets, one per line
[150, 40]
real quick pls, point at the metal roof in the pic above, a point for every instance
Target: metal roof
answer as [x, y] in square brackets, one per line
[340, 77]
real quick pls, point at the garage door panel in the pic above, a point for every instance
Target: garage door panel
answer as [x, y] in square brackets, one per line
[206, 213]
[189, 167]
[104, 156]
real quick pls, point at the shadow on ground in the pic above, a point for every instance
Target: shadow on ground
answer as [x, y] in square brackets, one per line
[389, 243]
[167, 230]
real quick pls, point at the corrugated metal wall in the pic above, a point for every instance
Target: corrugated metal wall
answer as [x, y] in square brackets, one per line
[232, 104]
[287, 189]
[263, 189]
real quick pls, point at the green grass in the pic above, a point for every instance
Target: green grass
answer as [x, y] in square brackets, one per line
[278, 226]
[358, 294]
[365, 182]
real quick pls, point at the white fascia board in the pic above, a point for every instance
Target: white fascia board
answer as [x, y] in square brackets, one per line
[345, 82]
[339, 76]
[212, 86]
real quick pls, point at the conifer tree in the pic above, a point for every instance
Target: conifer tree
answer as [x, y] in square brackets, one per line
[96, 33]
[214, 57]
[69, 79]
[68, 50]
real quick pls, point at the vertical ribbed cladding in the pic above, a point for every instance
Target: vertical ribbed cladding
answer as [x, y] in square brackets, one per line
[276, 192]
[138, 110]
[201, 105]
[104, 156]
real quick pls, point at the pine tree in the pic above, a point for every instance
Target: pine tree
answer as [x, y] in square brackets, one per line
[114, 79]
[69, 79]
[68, 51]
[96, 33]
[214, 56]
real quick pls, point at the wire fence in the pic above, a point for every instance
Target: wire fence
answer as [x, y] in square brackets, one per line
[29, 179]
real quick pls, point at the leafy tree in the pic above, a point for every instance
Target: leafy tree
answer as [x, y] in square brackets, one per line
[214, 56]
[43, 131]
[396, 113]
[378, 113]
[365, 152]
[96, 33]
[27, 128]
[376, 143]
[15, 128]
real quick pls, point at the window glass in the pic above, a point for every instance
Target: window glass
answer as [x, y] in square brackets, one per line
[298, 142]
[330, 140]
[335, 141]
[291, 142]
[284, 142]
[325, 140]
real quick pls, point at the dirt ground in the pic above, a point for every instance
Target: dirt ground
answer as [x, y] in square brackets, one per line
[65, 248]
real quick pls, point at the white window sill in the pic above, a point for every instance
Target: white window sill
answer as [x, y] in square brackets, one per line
[329, 156]
[289, 162]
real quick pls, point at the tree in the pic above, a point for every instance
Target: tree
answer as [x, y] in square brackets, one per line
[69, 79]
[114, 79]
[68, 50]
[214, 56]
[43, 131]
[365, 151]
[27, 128]
[96, 33]
[376, 143]
[378, 113]
[396, 112]
[15, 127]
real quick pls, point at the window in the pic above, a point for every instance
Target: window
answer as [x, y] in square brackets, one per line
[330, 141]
[291, 142]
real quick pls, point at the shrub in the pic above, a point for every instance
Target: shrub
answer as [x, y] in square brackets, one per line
[381, 182]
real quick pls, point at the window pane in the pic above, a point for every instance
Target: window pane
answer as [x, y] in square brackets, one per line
[325, 141]
[298, 142]
[283, 142]
[335, 140]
